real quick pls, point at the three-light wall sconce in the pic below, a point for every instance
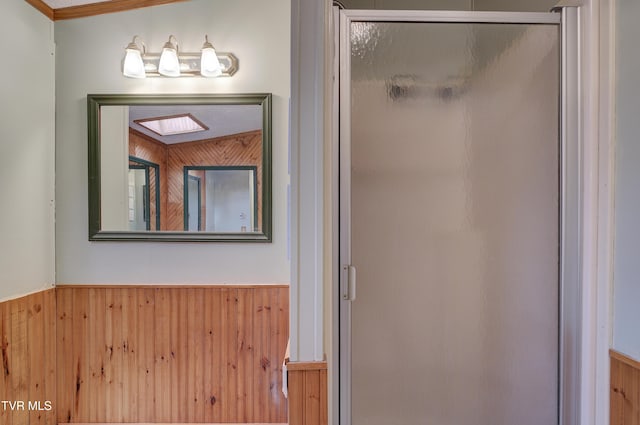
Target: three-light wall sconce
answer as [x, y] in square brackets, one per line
[171, 62]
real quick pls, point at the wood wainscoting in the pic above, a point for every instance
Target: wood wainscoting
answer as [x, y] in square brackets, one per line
[171, 354]
[28, 344]
[307, 393]
[625, 390]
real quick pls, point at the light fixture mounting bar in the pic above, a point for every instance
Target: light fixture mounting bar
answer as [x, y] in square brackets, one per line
[190, 64]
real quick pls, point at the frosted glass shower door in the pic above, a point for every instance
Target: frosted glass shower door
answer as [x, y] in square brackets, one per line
[450, 215]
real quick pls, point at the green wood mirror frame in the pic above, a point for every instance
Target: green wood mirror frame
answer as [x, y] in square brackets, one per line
[95, 103]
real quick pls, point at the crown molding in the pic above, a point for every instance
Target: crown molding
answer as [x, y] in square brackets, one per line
[93, 9]
[42, 7]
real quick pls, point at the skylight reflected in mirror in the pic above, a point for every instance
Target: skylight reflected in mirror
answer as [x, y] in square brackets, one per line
[173, 125]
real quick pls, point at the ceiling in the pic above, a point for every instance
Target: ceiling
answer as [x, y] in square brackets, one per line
[57, 4]
[222, 120]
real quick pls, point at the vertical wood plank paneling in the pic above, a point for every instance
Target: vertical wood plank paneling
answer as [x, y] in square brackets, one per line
[101, 347]
[175, 354]
[129, 396]
[276, 355]
[7, 361]
[102, 358]
[616, 403]
[204, 355]
[241, 393]
[111, 365]
[217, 358]
[141, 373]
[4, 344]
[272, 368]
[27, 359]
[49, 353]
[107, 354]
[625, 390]
[115, 382]
[232, 355]
[244, 408]
[162, 356]
[283, 325]
[64, 351]
[296, 398]
[263, 323]
[312, 399]
[182, 355]
[191, 355]
[241, 401]
[81, 349]
[223, 366]
[35, 341]
[94, 342]
[308, 393]
[208, 356]
[323, 394]
[97, 352]
[147, 347]
[198, 347]
[18, 370]
[20, 373]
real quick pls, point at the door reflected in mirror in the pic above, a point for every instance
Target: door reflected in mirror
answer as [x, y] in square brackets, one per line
[144, 195]
[180, 167]
[194, 204]
[221, 199]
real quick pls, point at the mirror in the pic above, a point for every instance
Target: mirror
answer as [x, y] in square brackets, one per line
[180, 167]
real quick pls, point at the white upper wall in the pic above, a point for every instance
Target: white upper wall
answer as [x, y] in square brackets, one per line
[89, 54]
[626, 291]
[26, 150]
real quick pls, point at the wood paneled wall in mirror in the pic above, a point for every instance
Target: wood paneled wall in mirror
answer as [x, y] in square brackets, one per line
[180, 167]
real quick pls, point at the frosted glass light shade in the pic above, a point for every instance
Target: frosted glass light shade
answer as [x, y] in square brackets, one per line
[209, 63]
[169, 65]
[133, 67]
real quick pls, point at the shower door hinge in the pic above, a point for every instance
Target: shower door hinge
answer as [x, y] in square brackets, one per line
[348, 283]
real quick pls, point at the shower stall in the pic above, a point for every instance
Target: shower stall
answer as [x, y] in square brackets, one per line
[458, 174]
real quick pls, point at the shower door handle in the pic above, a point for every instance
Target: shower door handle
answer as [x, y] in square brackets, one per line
[348, 283]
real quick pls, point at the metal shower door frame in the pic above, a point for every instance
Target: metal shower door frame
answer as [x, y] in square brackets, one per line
[570, 223]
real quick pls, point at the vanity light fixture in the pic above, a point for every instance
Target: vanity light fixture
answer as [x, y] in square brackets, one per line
[172, 62]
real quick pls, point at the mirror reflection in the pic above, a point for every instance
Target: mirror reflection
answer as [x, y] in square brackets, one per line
[144, 195]
[182, 167]
[221, 199]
